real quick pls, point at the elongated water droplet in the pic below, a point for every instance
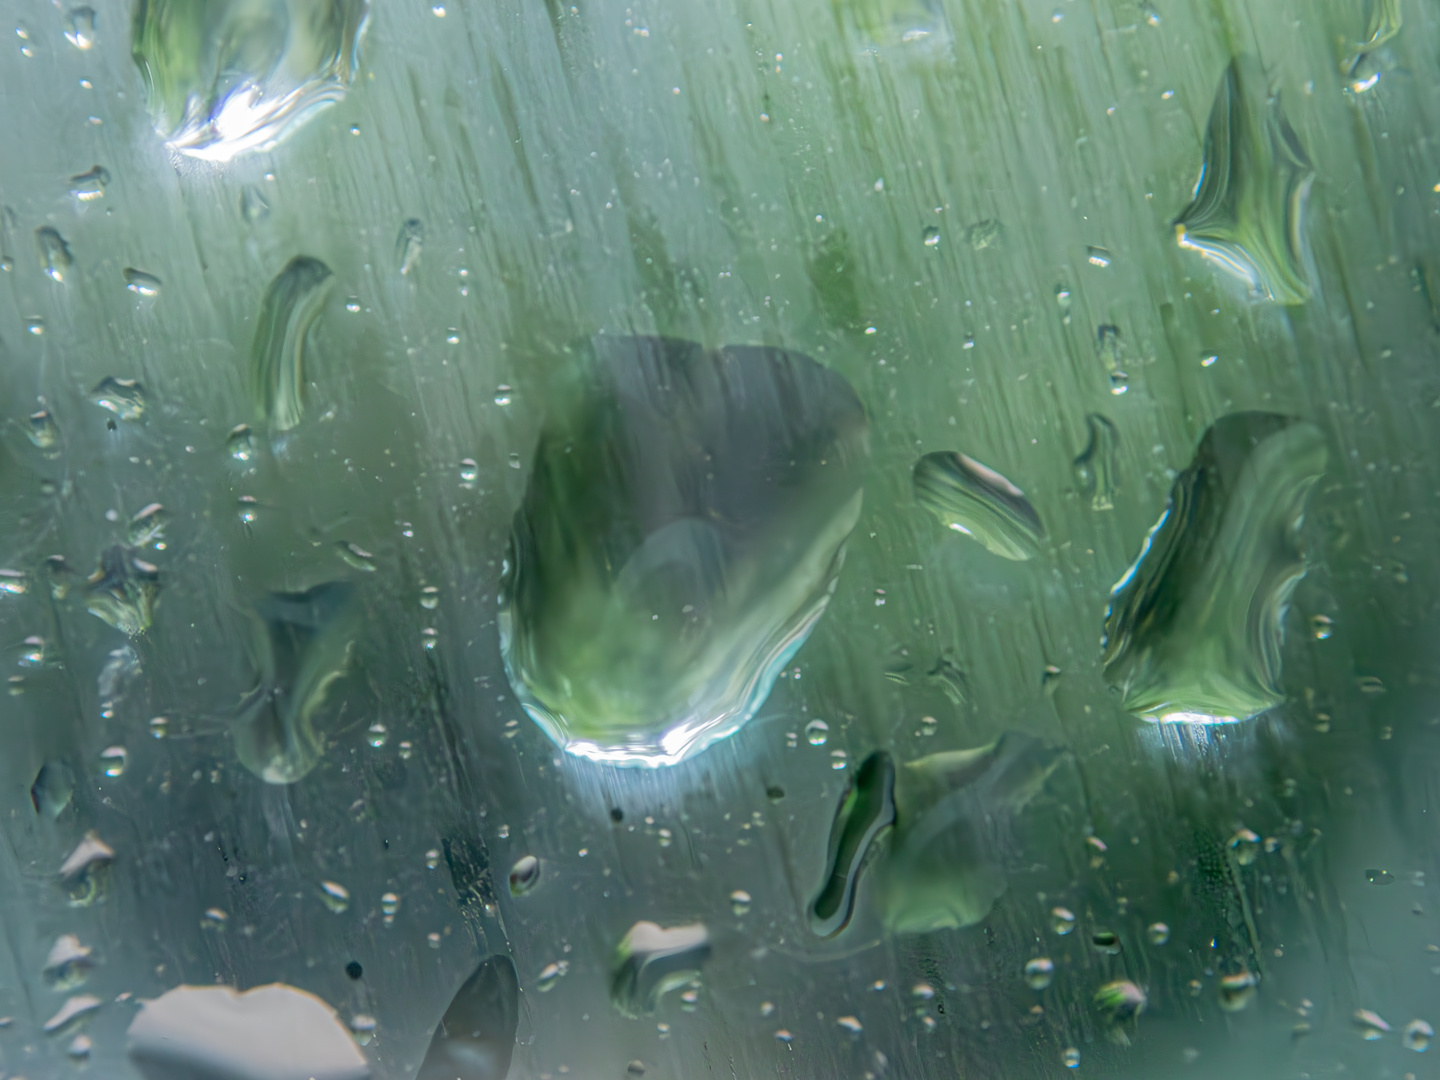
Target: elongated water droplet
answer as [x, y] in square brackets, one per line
[1247, 215]
[89, 186]
[72, 1014]
[867, 809]
[476, 1037]
[409, 244]
[141, 283]
[1095, 467]
[292, 303]
[1194, 627]
[355, 557]
[55, 257]
[651, 960]
[978, 502]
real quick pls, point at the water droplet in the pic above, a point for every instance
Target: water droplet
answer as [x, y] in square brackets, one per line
[113, 760]
[931, 235]
[1322, 626]
[389, 904]
[68, 964]
[1097, 256]
[12, 583]
[1070, 1058]
[433, 940]
[432, 858]
[783, 1036]
[254, 206]
[159, 727]
[147, 527]
[292, 303]
[429, 597]
[1208, 360]
[1158, 933]
[363, 1025]
[502, 395]
[336, 896]
[79, 1048]
[1418, 1035]
[429, 637]
[1039, 973]
[1062, 920]
[355, 557]
[352, 305]
[409, 245]
[55, 257]
[1194, 630]
[740, 902]
[377, 735]
[1096, 465]
[123, 591]
[976, 501]
[32, 652]
[1370, 685]
[80, 27]
[1063, 301]
[1370, 1025]
[983, 234]
[1106, 941]
[74, 1012]
[1120, 1001]
[1247, 214]
[838, 760]
[1237, 991]
[469, 472]
[1246, 846]
[850, 1024]
[406, 749]
[123, 397]
[88, 186]
[683, 594]
[816, 732]
[1379, 877]
[214, 919]
[85, 873]
[240, 443]
[550, 974]
[141, 283]
[524, 875]
[44, 432]
[652, 960]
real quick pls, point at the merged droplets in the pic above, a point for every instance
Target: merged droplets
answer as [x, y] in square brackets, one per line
[1247, 216]
[980, 503]
[292, 303]
[123, 397]
[651, 960]
[1194, 627]
[241, 75]
[123, 591]
[645, 613]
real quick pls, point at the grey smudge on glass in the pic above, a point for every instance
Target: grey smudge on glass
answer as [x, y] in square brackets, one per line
[227, 77]
[52, 788]
[123, 591]
[978, 502]
[1247, 215]
[55, 256]
[300, 644]
[123, 397]
[292, 303]
[274, 1032]
[651, 960]
[944, 867]
[476, 1037]
[1096, 464]
[1194, 627]
[89, 186]
[681, 533]
[409, 244]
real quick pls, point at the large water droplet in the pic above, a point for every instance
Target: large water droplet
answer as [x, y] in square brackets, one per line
[123, 591]
[1247, 214]
[817, 732]
[651, 960]
[646, 612]
[978, 502]
[292, 303]
[476, 1037]
[1194, 627]
[147, 527]
[53, 786]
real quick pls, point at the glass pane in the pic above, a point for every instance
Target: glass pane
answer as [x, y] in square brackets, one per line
[858, 538]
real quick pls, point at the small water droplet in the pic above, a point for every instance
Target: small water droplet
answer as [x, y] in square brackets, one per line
[362, 1025]
[1106, 941]
[55, 257]
[1237, 991]
[524, 875]
[502, 395]
[550, 974]
[1158, 933]
[1039, 972]
[355, 557]
[1418, 1035]
[1370, 1025]
[1246, 846]
[240, 443]
[816, 732]
[389, 904]
[113, 760]
[80, 27]
[335, 895]
[352, 305]
[79, 1048]
[406, 749]
[1322, 626]
[214, 919]
[931, 235]
[141, 283]
[429, 637]
[740, 902]
[1370, 685]
[432, 939]
[1070, 1058]
[429, 597]
[44, 432]
[1062, 920]
[409, 244]
[469, 472]
[432, 859]
[784, 1036]
[377, 735]
[850, 1024]
[159, 727]
[1379, 877]
[1097, 256]
[85, 873]
[147, 527]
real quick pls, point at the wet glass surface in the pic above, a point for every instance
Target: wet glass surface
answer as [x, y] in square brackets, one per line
[852, 538]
